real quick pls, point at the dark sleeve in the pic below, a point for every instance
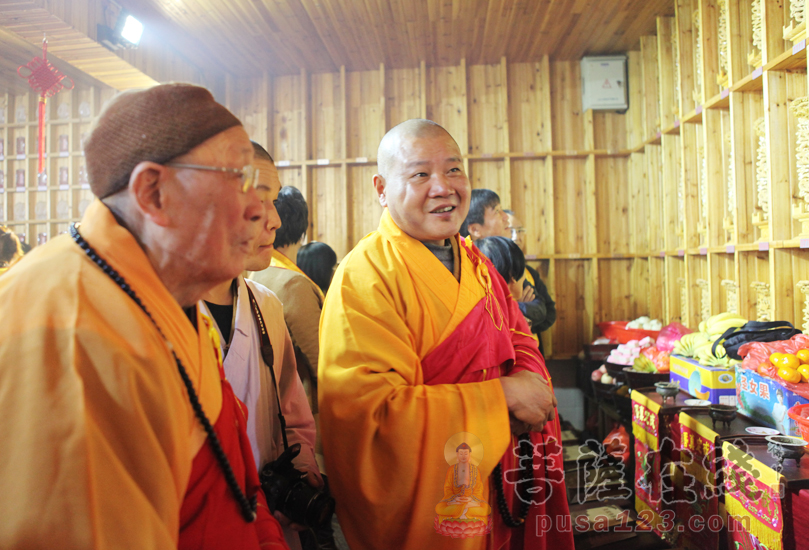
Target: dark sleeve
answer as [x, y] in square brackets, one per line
[543, 295]
[533, 311]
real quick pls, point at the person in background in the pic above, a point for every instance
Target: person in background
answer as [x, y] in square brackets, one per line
[318, 260]
[508, 260]
[301, 296]
[10, 249]
[486, 217]
[532, 281]
[231, 306]
[119, 428]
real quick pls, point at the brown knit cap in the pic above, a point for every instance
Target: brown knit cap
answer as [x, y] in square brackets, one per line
[156, 124]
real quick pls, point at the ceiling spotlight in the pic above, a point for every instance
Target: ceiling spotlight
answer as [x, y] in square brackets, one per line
[126, 34]
[132, 30]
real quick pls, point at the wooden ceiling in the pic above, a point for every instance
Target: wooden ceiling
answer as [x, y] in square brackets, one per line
[247, 37]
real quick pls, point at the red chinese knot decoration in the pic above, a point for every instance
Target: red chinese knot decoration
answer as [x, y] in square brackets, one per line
[48, 81]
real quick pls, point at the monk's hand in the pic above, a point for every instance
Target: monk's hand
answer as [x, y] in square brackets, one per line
[529, 398]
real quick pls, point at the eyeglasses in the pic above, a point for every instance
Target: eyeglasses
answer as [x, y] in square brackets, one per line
[248, 174]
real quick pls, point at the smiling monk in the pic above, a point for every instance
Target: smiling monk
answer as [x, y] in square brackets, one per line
[420, 341]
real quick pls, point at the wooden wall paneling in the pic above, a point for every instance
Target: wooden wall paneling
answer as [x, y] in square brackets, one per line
[572, 318]
[754, 267]
[639, 295]
[615, 290]
[365, 117]
[306, 149]
[640, 220]
[669, 101]
[676, 290]
[491, 174]
[447, 103]
[709, 47]
[715, 176]
[687, 70]
[650, 87]
[488, 127]
[635, 131]
[613, 221]
[529, 120]
[403, 97]
[331, 211]
[250, 99]
[740, 38]
[776, 17]
[328, 131]
[670, 176]
[780, 89]
[612, 131]
[656, 204]
[568, 124]
[745, 109]
[592, 294]
[532, 199]
[657, 290]
[366, 210]
[288, 118]
[568, 190]
[293, 176]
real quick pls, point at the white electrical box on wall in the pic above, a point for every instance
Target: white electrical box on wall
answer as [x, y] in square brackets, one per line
[603, 83]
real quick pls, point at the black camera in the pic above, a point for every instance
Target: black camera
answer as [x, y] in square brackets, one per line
[288, 492]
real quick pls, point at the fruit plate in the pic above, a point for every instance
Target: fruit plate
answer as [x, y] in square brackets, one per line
[760, 430]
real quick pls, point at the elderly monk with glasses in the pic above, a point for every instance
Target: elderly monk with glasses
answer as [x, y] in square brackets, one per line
[119, 429]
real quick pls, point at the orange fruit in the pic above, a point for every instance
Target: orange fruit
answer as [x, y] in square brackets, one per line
[790, 361]
[803, 370]
[762, 369]
[803, 355]
[775, 358]
[789, 375]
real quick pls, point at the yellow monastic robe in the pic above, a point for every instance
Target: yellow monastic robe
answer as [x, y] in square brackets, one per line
[97, 433]
[384, 430]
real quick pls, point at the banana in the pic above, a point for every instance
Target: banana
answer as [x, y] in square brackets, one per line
[718, 329]
[709, 324]
[703, 326]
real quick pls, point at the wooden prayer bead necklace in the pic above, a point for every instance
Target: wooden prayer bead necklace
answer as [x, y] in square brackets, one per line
[248, 506]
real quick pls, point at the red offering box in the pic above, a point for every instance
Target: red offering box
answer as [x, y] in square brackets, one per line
[616, 330]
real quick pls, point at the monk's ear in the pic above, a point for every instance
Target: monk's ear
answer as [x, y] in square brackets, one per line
[379, 186]
[147, 187]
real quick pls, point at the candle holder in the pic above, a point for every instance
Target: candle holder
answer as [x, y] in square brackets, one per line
[696, 20]
[800, 208]
[754, 57]
[731, 295]
[803, 287]
[729, 221]
[796, 30]
[763, 303]
[723, 77]
[761, 216]
[704, 299]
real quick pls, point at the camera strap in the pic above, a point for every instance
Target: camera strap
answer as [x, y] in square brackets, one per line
[269, 358]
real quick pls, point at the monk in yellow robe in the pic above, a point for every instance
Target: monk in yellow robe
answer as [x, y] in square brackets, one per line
[107, 368]
[420, 341]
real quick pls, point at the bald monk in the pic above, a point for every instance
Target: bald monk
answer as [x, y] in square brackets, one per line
[420, 341]
[119, 430]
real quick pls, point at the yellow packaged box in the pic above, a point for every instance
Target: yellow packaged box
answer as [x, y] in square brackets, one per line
[713, 384]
